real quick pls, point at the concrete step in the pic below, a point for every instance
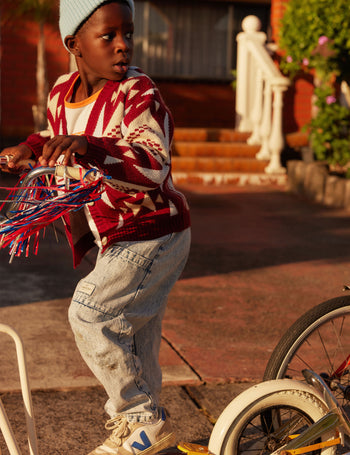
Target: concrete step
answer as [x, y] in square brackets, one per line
[215, 149]
[222, 156]
[297, 139]
[217, 164]
[209, 134]
[229, 178]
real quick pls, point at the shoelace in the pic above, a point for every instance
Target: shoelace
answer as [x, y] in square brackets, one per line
[120, 429]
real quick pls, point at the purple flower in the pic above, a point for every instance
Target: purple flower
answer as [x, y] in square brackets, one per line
[331, 99]
[306, 62]
[289, 59]
[323, 40]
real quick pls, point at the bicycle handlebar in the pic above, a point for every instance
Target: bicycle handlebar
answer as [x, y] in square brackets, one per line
[59, 170]
[4, 159]
[74, 173]
[70, 172]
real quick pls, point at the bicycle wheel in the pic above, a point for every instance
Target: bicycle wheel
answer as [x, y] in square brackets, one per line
[319, 340]
[262, 422]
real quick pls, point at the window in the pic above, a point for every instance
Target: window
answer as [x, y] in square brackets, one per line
[187, 39]
[182, 40]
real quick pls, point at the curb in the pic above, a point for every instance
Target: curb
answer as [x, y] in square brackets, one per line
[314, 181]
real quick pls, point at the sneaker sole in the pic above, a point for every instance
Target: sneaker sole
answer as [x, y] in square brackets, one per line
[164, 443]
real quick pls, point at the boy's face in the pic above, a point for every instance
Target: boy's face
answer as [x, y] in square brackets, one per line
[105, 44]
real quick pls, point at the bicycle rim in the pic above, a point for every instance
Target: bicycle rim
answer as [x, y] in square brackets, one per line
[265, 425]
[319, 340]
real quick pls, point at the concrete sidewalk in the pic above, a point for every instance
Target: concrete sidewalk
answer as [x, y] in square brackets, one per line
[260, 258]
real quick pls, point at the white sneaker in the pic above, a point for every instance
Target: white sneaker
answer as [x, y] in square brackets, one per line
[136, 438]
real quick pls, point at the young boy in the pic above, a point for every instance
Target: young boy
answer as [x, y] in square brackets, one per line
[111, 117]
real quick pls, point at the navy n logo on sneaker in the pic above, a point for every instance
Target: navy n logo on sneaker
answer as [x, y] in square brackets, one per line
[146, 443]
[129, 438]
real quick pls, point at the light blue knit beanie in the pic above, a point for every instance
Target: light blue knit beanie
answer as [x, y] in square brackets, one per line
[74, 12]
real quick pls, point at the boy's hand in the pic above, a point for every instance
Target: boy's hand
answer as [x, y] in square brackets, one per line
[62, 145]
[19, 159]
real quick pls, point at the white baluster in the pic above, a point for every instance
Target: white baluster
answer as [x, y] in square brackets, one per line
[244, 88]
[276, 141]
[256, 115]
[242, 122]
[265, 126]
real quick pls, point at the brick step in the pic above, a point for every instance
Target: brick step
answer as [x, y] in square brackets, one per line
[215, 149]
[217, 164]
[209, 134]
[297, 139]
[229, 178]
[221, 156]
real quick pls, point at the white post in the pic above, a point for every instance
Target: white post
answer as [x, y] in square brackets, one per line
[276, 141]
[256, 115]
[242, 123]
[244, 88]
[265, 126]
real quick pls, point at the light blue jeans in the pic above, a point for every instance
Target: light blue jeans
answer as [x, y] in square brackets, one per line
[116, 315]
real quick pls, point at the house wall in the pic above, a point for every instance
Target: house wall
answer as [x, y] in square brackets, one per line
[193, 103]
[18, 72]
[200, 104]
[277, 10]
[297, 104]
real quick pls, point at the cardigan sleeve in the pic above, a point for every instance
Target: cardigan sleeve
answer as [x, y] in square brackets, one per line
[139, 159]
[36, 142]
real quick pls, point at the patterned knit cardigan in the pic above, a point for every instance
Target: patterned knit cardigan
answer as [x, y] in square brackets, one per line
[134, 151]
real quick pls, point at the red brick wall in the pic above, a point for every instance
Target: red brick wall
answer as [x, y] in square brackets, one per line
[277, 10]
[297, 104]
[297, 100]
[18, 72]
[198, 104]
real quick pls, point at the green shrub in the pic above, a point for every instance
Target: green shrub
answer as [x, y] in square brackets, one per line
[329, 130]
[315, 37]
[303, 24]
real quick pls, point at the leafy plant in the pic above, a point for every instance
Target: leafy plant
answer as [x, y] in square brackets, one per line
[304, 24]
[234, 80]
[314, 37]
[329, 129]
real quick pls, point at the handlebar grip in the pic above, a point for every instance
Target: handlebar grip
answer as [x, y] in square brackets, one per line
[4, 159]
[75, 173]
[22, 164]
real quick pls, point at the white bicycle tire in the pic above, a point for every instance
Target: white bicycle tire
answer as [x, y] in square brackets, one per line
[280, 392]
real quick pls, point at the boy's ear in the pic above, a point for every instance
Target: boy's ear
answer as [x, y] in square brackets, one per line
[71, 42]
